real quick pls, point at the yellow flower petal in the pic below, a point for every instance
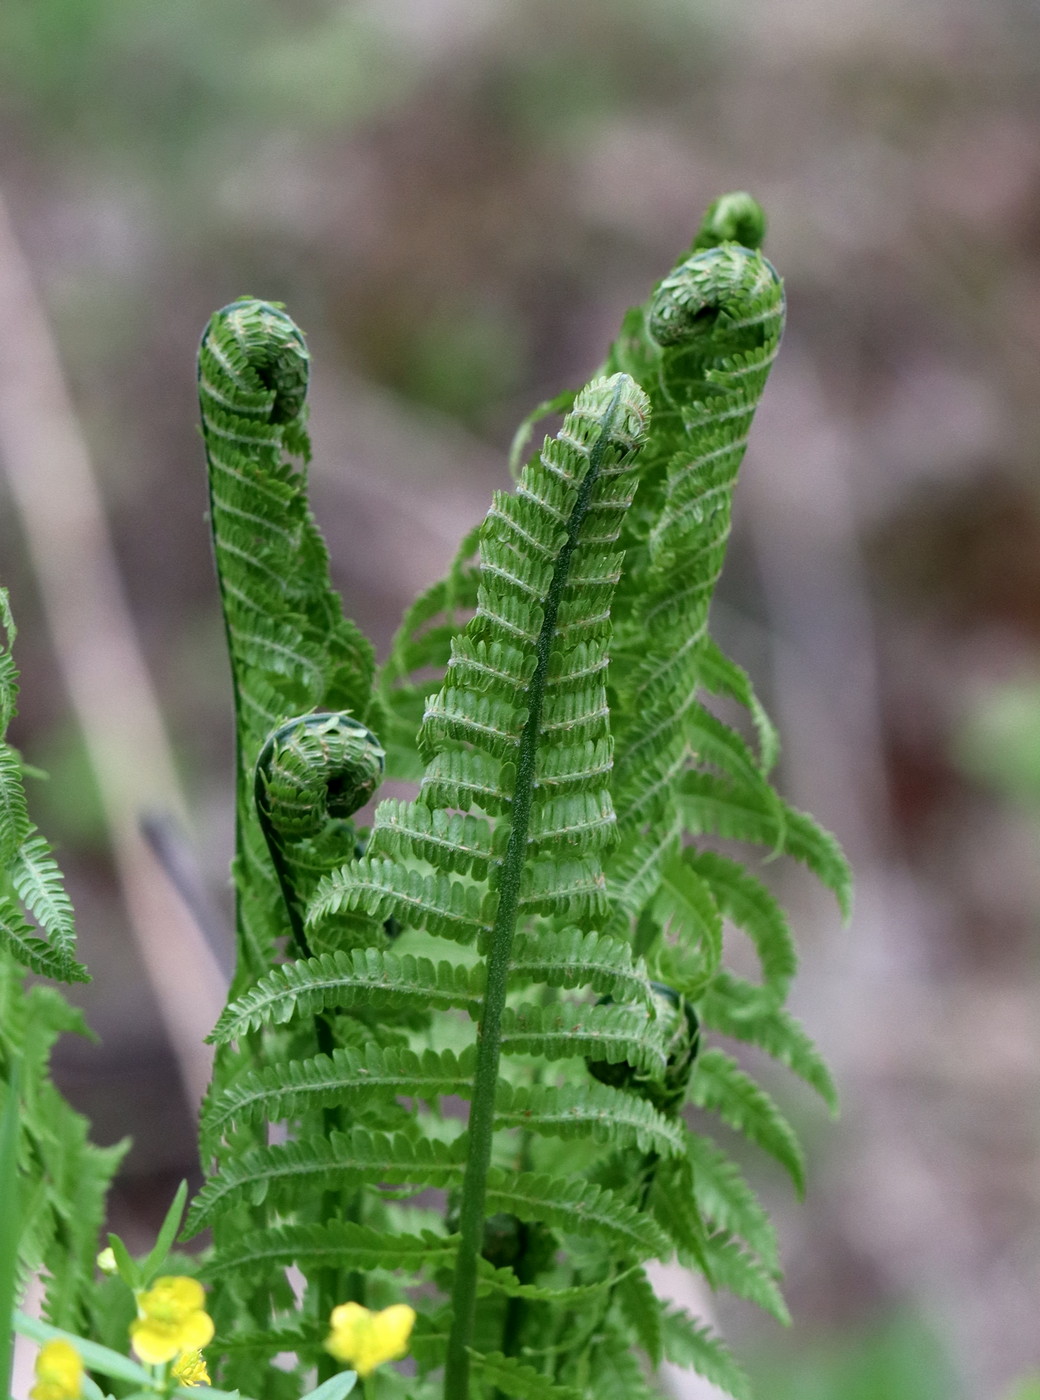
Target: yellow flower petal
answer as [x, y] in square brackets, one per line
[190, 1369]
[59, 1372]
[171, 1319]
[154, 1342]
[196, 1331]
[172, 1298]
[365, 1339]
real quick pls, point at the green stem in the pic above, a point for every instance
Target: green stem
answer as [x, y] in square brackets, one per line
[9, 1222]
[328, 1280]
[489, 1033]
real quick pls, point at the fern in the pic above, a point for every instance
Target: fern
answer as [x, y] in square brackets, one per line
[57, 1202]
[536, 932]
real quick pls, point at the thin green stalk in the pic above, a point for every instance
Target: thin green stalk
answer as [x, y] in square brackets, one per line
[489, 1033]
[329, 1280]
[8, 1225]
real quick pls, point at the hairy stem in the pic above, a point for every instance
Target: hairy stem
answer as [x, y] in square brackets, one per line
[482, 1111]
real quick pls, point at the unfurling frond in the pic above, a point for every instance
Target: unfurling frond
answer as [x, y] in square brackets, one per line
[531, 927]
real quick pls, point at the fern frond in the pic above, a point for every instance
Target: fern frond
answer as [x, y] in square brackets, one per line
[713, 806]
[338, 1243]
[365, 975]
[505, 1282]
[459, 844]
[732, 1008]
[14, 815]
[615, 1371]
[740, 1272]
[722, 1087]
[576, 1207]
[515, 1378]
[725, 1198]
[564, 1030]
[747, 903]
[641, 1308]
[385, 889]
[315, 1164]
[351, 1076]
[690, 1344]
[290, 647]
[571, 958]
[548, 698]
[588, 1110]
[721, 676]
[691, 940]
[33, 952]
[38, 883]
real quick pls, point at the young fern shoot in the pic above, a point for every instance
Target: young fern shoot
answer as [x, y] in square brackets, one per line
[537, 931]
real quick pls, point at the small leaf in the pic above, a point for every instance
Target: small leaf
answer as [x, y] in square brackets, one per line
[95, 1357]
[167, 1234]
[128, 1270]
[335, 1388]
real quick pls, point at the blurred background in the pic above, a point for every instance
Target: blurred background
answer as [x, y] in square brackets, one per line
[457, 199]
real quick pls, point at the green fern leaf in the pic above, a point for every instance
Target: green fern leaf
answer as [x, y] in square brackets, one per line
[350, 1077]
[314, 1164]
[712, 806]
[692, 1345]
[725, 1198]
[747, 903]
[365, 975]
[597, 1110]
[691, 940]
[576, 1207]
[460, 844]
[515, 1378]
[675, 1208]
[721, 676]
[38, 883]
[722, 1087]
[33, 952]
[615, 1372]
[14, 816]
[291, 649]
[505, 1282]
[565, 1030]
[385, 889]
[571, 958]
[335, 1244]
[642, 1311]
[734, 1269]
[729, 1008]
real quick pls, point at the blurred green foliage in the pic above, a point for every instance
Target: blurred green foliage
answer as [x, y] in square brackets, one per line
[144, 78]
[898, 1359]
[999, 742]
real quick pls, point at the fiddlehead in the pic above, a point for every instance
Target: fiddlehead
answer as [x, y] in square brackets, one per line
[290, 647]
[313, 773]
[291, 652]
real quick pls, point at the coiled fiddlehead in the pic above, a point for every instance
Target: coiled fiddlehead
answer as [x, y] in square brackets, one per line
[313, 772]
[291, 649]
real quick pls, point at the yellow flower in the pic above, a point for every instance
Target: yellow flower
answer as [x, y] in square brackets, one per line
[170, 1320]
[190, 1368]
[59, 1372]
[106, 1262]
[365, 1340]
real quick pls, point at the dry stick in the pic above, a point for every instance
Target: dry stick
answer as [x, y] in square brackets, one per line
[56, 494]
